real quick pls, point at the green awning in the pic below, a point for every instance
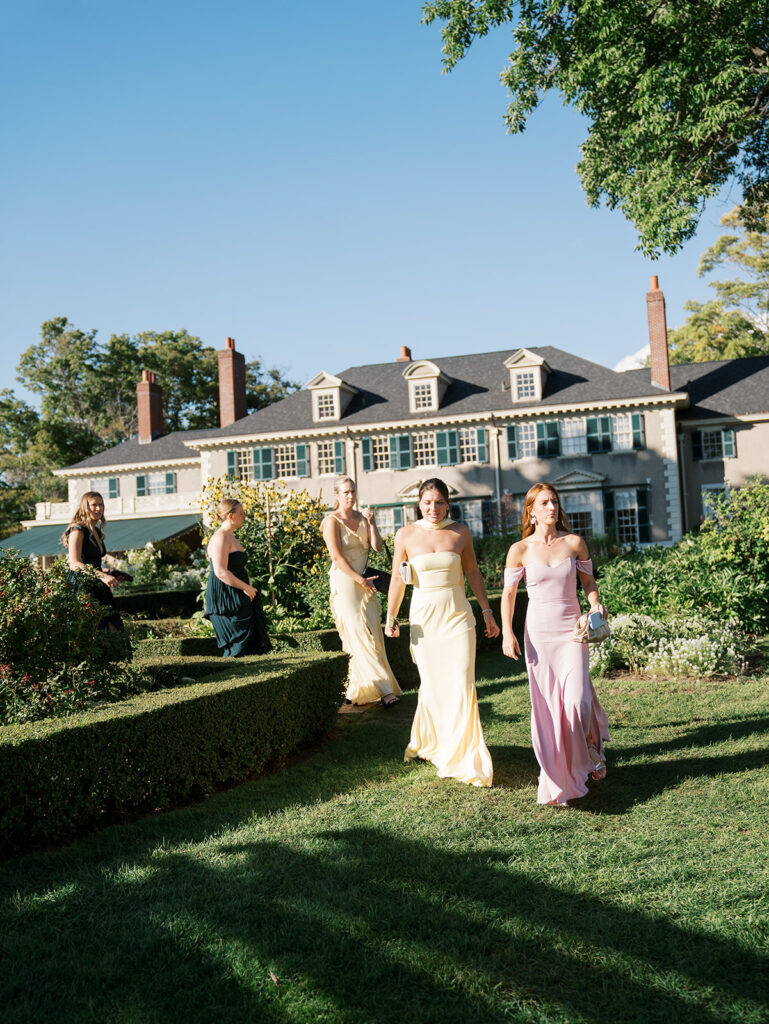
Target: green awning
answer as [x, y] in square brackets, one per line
[121, 534]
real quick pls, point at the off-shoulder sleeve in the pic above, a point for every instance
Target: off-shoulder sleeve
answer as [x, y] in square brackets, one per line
[585, 566]
[513, 576]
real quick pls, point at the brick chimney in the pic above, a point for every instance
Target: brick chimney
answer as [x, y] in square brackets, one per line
[405, 356]
[232, 384]
[658, 336]
[149, 403]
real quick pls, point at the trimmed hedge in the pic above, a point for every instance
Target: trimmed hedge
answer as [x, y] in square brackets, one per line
[158, 604]
[62, 776]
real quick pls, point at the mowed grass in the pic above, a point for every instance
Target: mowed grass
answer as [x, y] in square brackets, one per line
[349, 887]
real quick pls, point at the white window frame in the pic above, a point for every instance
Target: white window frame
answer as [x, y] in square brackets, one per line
[625, 507]
[326, 458]
[527, 445]
[380, 452]
[574, 436]
[622, 432]
[322, 409]
[419, 401]
[423, 449]
[283, 460]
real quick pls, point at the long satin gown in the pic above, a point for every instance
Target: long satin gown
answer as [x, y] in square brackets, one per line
[358, 619]
[447, 726]
[565, 711]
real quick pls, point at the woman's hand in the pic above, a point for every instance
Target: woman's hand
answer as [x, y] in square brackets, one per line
[394, 630]
[368, 585]
[598, 607]
[491, 628]
[510, 646]
[249, 591]
[107, 580]
[368, 514]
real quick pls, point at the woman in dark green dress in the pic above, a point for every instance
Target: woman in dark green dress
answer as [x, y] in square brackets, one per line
[233, 606]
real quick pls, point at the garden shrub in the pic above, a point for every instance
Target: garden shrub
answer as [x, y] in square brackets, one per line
[721, 572]
[145, 754]
[54, 657]
[689, 645]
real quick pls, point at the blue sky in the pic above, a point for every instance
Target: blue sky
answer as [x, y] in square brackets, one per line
[300, 176]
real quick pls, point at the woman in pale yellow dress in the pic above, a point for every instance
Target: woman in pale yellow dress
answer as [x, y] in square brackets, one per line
[447, 726]
[348, 535]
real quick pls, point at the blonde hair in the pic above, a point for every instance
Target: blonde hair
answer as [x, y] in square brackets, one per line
[527, 527]
[225, 507]
[339, 483]
[81, 517]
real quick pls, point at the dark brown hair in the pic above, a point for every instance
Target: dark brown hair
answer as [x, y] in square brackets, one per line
[433, 484]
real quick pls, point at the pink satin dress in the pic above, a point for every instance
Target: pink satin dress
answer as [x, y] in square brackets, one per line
[565, 711]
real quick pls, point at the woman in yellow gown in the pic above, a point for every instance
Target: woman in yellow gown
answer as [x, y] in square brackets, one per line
[447, 726]
[348, 535]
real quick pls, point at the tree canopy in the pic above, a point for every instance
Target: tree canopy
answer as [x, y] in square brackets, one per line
[736, 324]
[87, 396]
[676, 94]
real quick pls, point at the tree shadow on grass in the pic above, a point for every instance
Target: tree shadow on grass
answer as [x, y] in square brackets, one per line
[360, 925]
[706, 735]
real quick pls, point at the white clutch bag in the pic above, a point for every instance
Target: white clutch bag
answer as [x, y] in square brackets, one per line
[405, 571]
[591, 628]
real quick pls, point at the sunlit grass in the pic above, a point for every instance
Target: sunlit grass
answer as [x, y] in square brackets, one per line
[350, 887]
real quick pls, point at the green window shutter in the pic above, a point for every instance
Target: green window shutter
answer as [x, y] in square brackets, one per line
[604, 427]
[400, 451]
[608, 511]
[398, 518]
[548, 440]
[232, 465]
[729, 444]
[365, 450]
[483, 446]
[593, 441]
[644, 527]
[170, 483]
[262, 463]
[141, 485]
[113, 487]
[598, 434]
[442, 447]
[339, 459]
[302, 460]
[512, 444]
[638, 430]
[697, 445]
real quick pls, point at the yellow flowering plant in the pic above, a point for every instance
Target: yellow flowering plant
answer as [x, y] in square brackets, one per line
[281, 536]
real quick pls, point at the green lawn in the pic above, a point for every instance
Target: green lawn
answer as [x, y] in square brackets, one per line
[350, 887]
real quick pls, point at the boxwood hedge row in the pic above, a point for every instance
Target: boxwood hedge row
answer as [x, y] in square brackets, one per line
[62, 776]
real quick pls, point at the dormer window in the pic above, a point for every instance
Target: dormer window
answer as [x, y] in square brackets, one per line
[427, 385]
[325, 405]
[330, 397]
[528, 373]
[525, 385]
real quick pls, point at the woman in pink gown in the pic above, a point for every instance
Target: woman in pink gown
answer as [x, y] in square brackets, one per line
[568, 724]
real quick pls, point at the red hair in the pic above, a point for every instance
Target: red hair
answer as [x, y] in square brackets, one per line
[527, 527]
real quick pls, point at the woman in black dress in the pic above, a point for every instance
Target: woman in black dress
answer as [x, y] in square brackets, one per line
[84, 539]
[233, 606]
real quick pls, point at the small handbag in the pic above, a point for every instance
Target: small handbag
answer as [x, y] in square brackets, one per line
[380, 578]
[584, 633]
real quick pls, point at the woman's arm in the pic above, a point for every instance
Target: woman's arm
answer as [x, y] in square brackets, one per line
[474, 578]
[331, 537]
[75, 542]
[374, 537]
[587, 579]
[510, 645]
[397, 586]
[218, 552]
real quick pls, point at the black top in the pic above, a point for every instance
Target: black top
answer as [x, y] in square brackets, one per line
[91, 554]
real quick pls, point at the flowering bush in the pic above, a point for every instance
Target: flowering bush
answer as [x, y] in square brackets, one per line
[53, 656]
[170, 564]
[677, 646]
[281, 536]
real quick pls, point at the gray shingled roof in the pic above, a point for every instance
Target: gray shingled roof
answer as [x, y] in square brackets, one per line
[479, 384]
[724, 387]
[169, 446]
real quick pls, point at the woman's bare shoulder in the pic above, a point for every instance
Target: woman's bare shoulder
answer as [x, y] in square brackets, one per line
[515, 554]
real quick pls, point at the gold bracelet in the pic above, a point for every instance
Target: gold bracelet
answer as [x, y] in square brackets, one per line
[391, 622]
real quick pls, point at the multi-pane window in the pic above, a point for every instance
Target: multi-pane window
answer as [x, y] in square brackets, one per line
[326, 460]
[579, 513]
[113, 487]
[525, 386]
[712, 444]
[622, 431]
[244, 463]
[468, 444]
[423, 449]
[284, 460]
[626, 517]
[157, 483]
[423, 396]
[574, 437]
[326, 405]
[527, 440]
[380, 452]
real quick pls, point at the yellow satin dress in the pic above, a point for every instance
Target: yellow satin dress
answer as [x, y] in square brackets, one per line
[358, 619]
[447, 726]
